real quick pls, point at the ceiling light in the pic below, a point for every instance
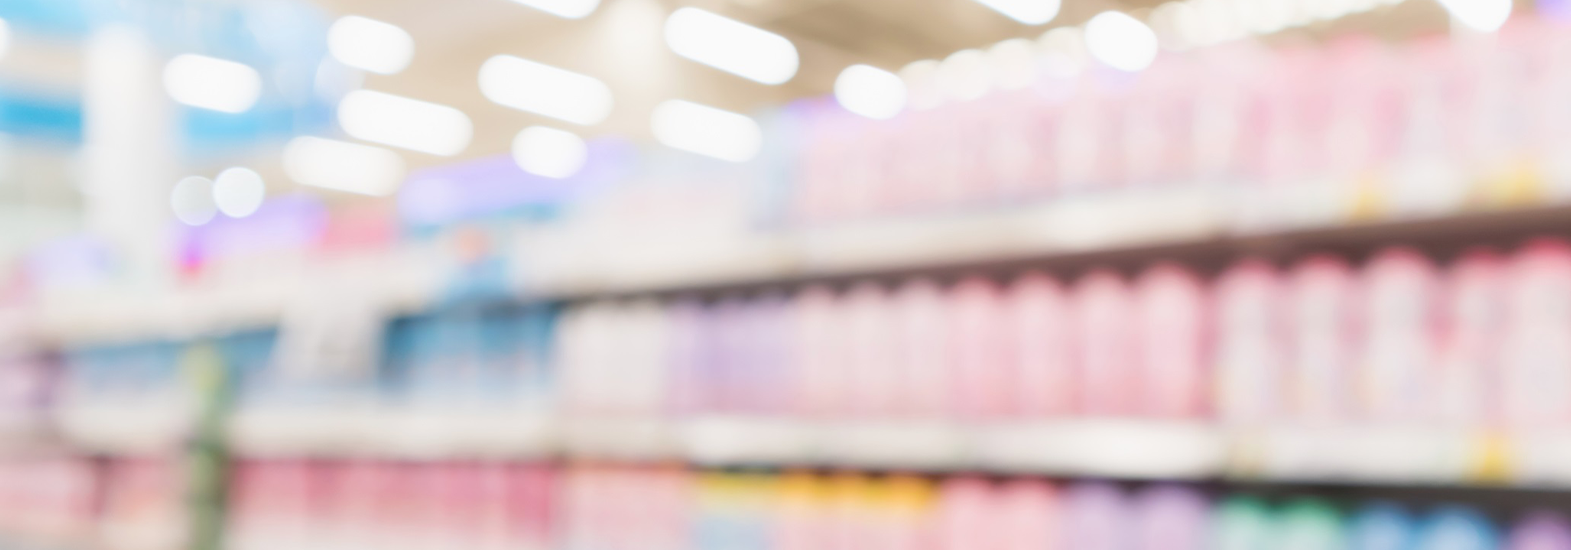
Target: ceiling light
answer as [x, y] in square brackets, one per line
[545, 90]
[351, 167]
[870, 91]
[239, 192]
[212, 83]
[407, 123]
[1030, 12]
[707, 131]
[1479, 15]
[1014, 63]
[549, 152]
[192, 201]
[570, 9]
[921, 80]
[1121, 41]
[965, 75]
[375, 46]
[731, 46]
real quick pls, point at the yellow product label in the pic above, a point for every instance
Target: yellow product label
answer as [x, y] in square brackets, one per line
[718, 489]
[803, 489]
[1369, 200]
[758, 489]
[1490, 459]
[909, 494]
[1518, 182]
[852, 490]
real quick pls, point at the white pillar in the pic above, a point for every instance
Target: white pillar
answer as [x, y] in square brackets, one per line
[129, 154]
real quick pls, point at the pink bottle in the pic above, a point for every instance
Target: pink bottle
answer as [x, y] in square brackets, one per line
[1039, 334]
[1029, 515]
[689, 377]
[1085, 145]
[1251, 355]
[967, 515]
[1174, 331]
[1427, 177]
[1170, 517]
[1096, 517]
[1474, 312]
[1399, 298]
[820, 352]
[872, 375]
[1103, 306]
[1323, 329]
[1536, 362]
[1019, 127]
[982, 381]
[532, 503]
[923, 351]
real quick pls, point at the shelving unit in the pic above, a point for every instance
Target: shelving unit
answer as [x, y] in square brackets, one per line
[988, 243]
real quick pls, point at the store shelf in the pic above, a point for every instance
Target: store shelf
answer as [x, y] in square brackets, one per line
[381, 432]
[1108, 448]
[1367, 454]
[142, 427]
[1134, 449]
[1066, 236]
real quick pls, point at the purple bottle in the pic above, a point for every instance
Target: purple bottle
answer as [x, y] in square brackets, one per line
[1096, 517]
[1540, 531]
[1171, 517]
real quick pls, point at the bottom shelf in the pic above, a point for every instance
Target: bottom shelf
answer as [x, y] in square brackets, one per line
[1107, 448]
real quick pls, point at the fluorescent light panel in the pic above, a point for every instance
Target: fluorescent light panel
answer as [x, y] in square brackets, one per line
[1121, 41]
[372, 45]
[549, 152]
[1030, 12]
[707, 131]
[870, 91]
[405, 123]
[351, 167]
[570, 9]
[731, 46]
[211, 83]
[545, 90]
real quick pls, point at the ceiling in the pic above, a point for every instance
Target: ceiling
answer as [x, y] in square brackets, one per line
[621, 44]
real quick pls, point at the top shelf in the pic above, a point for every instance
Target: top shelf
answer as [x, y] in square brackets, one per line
[563, 265]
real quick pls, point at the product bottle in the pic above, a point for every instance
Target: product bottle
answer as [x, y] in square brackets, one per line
[1536, 365]
[1457, 528]
[1251, 355]
[1540, 531]
[1381, 526]
[1029, 515]
[872, 374]
[1310, 525]
[1039, 331]
[1174, 333]
[967, 515]
[1474, 296]
[1096, 517]
[924, 350]
[1400, 291]
[1243, 523]
[820, 355]
[1323, 328]
[1170, 517]
[983, 364]
[1103, 305]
